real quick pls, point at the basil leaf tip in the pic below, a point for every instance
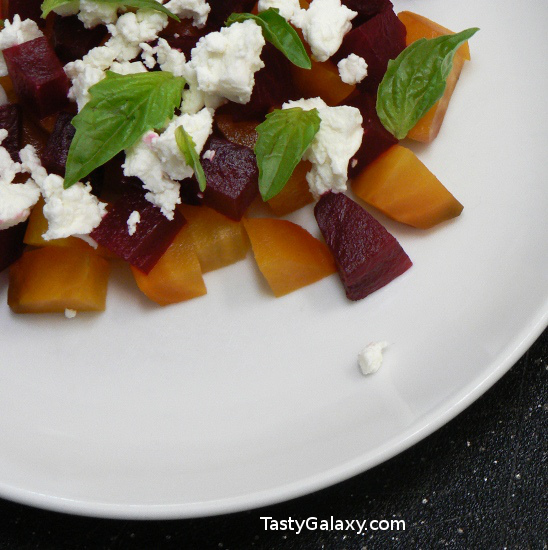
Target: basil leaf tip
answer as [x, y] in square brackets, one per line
[416, 79]
[282, 140]
[188, 149]
[279, 33]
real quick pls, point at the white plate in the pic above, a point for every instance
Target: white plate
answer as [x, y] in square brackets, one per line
[238, 399]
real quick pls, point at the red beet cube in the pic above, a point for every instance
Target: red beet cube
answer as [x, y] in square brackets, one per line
[221, 9]
[376, 138]
[183, 35]
[153, 236]
[378, 40]
[366, 255]
[54, 157]
[38, 76]
[71, 40]
[11, 244]
[232, 178]
[367, 9]
[11, 119]
[26, 9]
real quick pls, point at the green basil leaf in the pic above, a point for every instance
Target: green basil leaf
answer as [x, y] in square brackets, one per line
[121, 110]
[49, 5]
[279, 33]
[283, 138]
[415, 80]
[188, 148]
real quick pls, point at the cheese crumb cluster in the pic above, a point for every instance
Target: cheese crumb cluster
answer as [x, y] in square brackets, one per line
[221, 68]
[370, 358]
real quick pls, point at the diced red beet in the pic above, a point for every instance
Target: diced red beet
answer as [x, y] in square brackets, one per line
[221, 9]
[54, 157]
[71, 40]
[26, 9]
[183, 35]
[190, 192]
[38, 76]
[376, 138]
[378, 40]
[153, 236]
[11, 244]
[115, 182]
[11, 119]
[232, 178]
[366, 254]
[366, 9]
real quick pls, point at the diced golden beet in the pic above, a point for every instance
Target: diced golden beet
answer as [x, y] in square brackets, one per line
[218, 240]
[322, 80]
[7, 84]
[295, 194]
[241, 132]
[288, 256]
[418, 26]
[428, 127]
[52, 279]
[400, 186]
[177, 276]
[38, 225]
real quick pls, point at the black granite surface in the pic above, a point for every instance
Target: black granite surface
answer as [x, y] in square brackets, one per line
[479, 482]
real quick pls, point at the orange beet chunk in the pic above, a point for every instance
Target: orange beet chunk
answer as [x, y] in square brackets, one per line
[321, 80]
[428, 127]
[400, 186]
[52, 279]
[218, 240]
[295, 194]
[241, 132]
[177, 276]
[288, 256]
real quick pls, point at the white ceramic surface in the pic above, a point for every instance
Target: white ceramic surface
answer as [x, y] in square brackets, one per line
[238, 399]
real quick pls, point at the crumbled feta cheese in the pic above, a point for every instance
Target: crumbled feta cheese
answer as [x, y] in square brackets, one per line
[142, 26]
[197, 9]
[147, 55]
[70, 313]
[225, 62]
[287, 8]
[97, 13]
[15, 33]
[3, 97]
[352, 69]
[70, 212]
[324, 25]
[157, 161]
[16, 199]
[209, 154]
[128, 67]
[370, 358]
[170, 59]
[133, 222]
[339, 137]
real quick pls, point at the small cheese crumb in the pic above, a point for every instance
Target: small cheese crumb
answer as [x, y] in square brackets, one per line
[352, 69]
[370, 358]
[287, 8]
[209, 154]
[133, 222]
[70, 313]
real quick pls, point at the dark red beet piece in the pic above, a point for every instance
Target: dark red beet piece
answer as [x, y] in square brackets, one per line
[38, 76]
[153, 236]
[11, 244]
[11, 119]
[366, 255]
[190, 192]
[376, 138]
[115, 182]
[71, 40]
[366, 9]
[183, 35]
[378, 40]
[232, 178]
[27, 9]
[221, 9]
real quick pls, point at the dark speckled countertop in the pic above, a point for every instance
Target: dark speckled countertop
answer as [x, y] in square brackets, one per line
[479, 482]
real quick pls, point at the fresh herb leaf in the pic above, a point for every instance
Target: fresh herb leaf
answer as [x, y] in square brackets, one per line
[188, 148]
[283, 138]
[415, 80]
[279, 33]
[49, 5]
[121, 110]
